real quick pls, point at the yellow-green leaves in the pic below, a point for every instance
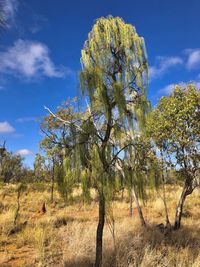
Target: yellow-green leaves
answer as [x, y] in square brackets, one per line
[176, 119]
[114, 64]
[175, 128]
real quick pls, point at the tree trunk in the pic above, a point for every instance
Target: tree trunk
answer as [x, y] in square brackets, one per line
[142, 221]
[179, 209]
[18, 208]
[99, 236]
[52, 183]
[122, 195]
[131, 203]
[167, 222]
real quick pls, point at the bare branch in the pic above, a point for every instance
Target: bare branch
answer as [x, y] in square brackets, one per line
[63, 121]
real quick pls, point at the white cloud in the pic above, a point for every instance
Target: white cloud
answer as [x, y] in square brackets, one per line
[39, 22]
[24, 152]
[193, 61]
[29, 59]
[163, 64]
[5, 128]
[168, 89]
[26, 119]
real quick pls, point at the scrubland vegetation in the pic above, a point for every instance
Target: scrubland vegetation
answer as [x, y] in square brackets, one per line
[116, 183]
[65, 234]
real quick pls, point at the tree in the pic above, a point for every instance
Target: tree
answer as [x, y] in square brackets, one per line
[113, 79]
[134, 175]
[11, 166]
[140, 169]
[39, 167]
[175, 128]
[59, 145]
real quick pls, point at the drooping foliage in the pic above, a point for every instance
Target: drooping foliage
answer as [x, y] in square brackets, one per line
[141, 168]
[114, 66]
[61, 144]
[66, 178]
[113, 79]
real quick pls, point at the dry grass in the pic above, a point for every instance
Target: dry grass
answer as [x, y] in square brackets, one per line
[65, 235]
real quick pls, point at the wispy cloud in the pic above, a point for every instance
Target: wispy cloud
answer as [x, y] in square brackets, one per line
[26, 119]
[193, 61]
[24, 152]
[39, 22]
[189, 60]
[29, 59]
[168, 89]
[6, 128]
[163, 64]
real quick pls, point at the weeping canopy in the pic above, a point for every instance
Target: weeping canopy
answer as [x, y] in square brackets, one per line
[114, 67]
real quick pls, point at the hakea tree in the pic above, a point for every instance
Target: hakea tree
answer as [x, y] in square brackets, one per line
[113, 79]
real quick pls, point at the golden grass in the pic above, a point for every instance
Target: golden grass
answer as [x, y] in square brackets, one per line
[65, 234]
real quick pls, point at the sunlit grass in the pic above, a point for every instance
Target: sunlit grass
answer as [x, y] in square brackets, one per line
[65, 235]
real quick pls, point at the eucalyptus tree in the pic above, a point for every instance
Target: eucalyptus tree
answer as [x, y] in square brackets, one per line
[175, 128]
[11, 166]
[60, 144]
[113, 79]
[57, 131]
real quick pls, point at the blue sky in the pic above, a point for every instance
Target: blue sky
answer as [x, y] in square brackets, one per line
[40, 55]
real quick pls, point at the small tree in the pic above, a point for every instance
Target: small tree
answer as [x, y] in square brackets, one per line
[11, 166]
[139, 168]
[59, 145]
[19, 189]
[40, 170]
[175, 128]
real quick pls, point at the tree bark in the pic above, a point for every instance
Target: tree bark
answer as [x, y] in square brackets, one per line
[167, 222]
[131, 203]
[52, 183]
[122, 195]
[99, 236]
[142, 221]
[179, 209]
